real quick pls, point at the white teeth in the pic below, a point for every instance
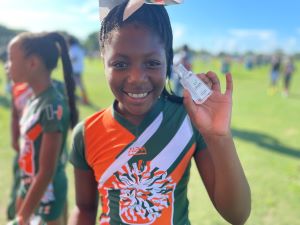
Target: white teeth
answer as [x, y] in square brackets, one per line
[141, 95]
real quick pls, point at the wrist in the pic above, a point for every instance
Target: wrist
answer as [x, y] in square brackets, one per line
[217, 139]
[221, 135]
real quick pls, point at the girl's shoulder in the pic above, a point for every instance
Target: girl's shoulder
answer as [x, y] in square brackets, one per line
[96, 117]
[51, 100]
[174, 107]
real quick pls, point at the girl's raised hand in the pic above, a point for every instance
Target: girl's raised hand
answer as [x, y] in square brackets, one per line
[212, 117]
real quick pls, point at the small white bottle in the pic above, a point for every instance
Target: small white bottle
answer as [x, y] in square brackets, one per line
[197, 88]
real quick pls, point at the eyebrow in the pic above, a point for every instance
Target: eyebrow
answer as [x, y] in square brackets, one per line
[147, 54]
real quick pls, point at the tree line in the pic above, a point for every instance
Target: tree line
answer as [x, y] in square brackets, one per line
[90, 44]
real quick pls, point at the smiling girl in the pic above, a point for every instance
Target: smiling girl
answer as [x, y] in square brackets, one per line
[136, 155]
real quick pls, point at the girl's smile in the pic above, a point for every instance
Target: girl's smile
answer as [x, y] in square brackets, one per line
[137, 96]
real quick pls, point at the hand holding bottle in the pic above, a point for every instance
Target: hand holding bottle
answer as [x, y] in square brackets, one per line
[212, 117]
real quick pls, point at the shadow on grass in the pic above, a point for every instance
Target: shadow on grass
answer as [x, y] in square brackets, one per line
[266, 141]
[4, 101]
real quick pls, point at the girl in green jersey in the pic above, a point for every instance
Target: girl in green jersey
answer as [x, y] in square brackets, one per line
[43, 126]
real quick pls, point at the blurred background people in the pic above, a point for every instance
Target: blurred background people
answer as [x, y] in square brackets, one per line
[184, 57]
[289, 69]
[274, 73]
[225, 67]
[77, 55]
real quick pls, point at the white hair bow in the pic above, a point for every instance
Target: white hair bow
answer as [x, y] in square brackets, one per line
[133, 5]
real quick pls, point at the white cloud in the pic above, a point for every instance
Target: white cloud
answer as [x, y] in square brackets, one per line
[79, 22]
[290, 44]
[179, 34]
[88, 11]
[30, 19]
[241, 40]
[225, 44]
[252, 33]
[233, 40]
[86, 8]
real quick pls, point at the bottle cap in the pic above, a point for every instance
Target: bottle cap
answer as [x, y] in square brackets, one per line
[180, 70]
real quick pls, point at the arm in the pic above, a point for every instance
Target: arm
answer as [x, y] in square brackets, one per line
[15, 129]
[50, 147]
[86, 198]
[218, 164]
[224, 179]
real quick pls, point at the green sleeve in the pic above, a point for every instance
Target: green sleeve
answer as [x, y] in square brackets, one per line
[52, 117]
[60, 87]
[77, 155]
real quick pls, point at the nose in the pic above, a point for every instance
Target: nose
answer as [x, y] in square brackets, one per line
[137, 74]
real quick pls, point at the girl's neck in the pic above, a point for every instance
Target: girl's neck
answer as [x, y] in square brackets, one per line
[40, 85]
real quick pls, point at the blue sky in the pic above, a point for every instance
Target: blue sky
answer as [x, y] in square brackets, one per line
[232, 25]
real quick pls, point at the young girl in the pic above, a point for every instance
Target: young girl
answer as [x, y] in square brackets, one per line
[136, 155]
[43, 126]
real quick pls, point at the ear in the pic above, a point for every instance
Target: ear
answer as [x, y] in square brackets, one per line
[33, 61]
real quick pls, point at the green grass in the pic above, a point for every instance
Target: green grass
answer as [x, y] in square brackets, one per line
[266, 131]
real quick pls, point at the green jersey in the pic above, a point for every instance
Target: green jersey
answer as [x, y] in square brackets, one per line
[47, 112]
[142, 171]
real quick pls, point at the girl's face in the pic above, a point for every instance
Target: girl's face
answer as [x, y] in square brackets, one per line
[17, 64]
[135, 66]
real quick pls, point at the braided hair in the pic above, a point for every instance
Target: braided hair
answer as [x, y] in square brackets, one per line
[153, 17]
[48, 47]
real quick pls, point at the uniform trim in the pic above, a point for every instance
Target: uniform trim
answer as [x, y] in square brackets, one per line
[171, 152]
[125, 156]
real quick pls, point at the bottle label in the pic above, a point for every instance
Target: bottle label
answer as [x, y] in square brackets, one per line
[197, 88]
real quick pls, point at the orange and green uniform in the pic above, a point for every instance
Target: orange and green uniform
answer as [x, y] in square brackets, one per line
[142, 171]
[47, 112]
[20, 93]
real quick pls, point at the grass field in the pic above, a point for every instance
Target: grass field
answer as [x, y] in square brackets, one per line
[266, 130]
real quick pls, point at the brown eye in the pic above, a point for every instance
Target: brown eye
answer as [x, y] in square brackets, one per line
[120, 65]
[153, 64]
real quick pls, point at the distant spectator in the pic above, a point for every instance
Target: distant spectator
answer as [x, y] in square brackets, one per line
[184, 57]
[288, 72]
[77, 55]
[225, 67]
[274, 74]
[249, 62]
